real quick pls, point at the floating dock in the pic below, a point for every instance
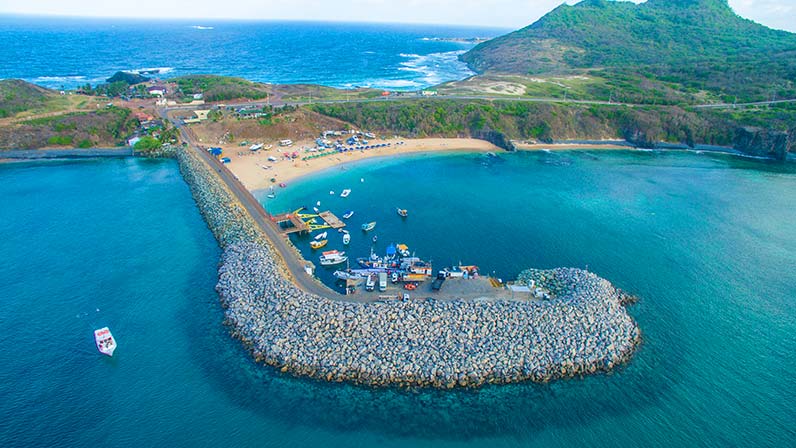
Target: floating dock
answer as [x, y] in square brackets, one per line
[298, 222]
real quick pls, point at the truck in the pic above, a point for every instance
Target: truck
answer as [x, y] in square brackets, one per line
[382, 281]
[437, 283]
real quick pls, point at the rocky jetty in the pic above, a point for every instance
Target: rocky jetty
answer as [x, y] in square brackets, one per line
[583, 328]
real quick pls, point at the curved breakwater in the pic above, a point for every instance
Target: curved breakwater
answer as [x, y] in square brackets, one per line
[583, 328]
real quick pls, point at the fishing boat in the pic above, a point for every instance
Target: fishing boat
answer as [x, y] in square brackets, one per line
[106, 344]
[333, 257]
[391, 251]
[403, 250]
[346, 275]
[348, 214]
[367, 227]
[345, 193]
[320, 236]
[402, 212]
[318, 244]
[346, 238]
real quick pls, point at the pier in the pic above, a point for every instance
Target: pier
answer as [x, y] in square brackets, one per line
[298, 222]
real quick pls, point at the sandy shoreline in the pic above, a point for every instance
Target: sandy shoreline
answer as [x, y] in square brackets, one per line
[249, 167]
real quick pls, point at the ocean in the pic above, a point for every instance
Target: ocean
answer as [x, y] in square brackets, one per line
[70, 52]
[703, 239]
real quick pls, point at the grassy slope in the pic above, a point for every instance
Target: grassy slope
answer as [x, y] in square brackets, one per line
[642, 125]
[692, 45]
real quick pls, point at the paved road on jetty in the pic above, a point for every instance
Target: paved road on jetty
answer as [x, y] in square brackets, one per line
[253, 207]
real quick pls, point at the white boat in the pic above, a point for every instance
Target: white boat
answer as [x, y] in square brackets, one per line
[348, 214]
[272, 159]
[316, 209]
[320, 236]
[106, 344]
[345, 193]
[343, 275]
[318, 204]
[367, 227]
[256, 147]
[333, 257]
[331, 192]
[346, 238]
[402, 212]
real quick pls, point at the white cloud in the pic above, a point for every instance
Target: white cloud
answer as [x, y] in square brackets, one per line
[497, 13]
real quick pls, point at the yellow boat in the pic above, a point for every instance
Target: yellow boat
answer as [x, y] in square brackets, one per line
[318, 244]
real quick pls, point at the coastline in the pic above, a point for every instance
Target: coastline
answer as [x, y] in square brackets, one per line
[248, 167]
[19, 155]
[582, 329]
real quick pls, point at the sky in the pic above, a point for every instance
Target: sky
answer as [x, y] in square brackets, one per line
[512, 14]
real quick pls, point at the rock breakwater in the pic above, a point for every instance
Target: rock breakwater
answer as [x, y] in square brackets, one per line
[582, 329]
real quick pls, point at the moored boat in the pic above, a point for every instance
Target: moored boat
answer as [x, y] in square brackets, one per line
[318, 244]
[332, 257]
[346, 238]
[104, 340]
[345, 193]
[367, 227]
[348, 214]
[320, 236]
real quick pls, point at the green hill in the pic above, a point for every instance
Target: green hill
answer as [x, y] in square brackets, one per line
[18, 96]
[690, 45]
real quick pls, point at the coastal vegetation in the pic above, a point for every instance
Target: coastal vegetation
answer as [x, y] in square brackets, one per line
[644, 126]
[658, 51]
[221, 88]
[104, 127]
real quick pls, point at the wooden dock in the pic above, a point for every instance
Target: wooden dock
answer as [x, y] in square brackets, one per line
[297, 222]
[331, 220]
[290, 223]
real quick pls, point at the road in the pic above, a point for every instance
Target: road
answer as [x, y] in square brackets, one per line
[278, 241]
[277, 102]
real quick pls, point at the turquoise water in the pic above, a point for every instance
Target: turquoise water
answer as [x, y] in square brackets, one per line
[706, 241]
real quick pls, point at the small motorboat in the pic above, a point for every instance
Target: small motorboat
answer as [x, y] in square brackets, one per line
[318, 204]
[104, 340]
[348, 214]
[367, 227]
[345, 193]
[282, 184]
[318, 244]
[346, 238]
[375, 238]
[333, 257]
[402, 212]
[315, 209]
[331, 192]
[320, 236]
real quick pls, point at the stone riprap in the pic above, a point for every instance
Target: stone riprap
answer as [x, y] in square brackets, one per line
[582, 329]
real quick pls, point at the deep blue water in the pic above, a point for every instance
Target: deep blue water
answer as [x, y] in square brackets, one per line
[68, 52]
[706, 241]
